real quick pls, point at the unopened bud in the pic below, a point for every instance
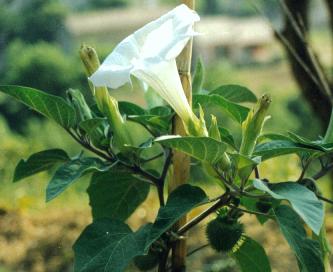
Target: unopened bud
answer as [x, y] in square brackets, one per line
[252, 126]
[78, 101]
[107, 104]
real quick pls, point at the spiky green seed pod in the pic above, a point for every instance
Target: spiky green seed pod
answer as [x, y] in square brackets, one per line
[224, 233]
[147, 262]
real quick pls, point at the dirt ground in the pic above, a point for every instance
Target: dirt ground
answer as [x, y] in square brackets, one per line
[39, 243]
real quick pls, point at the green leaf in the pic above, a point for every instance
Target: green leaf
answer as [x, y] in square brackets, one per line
[244, 164]
[153, 121]
[116, 194]
[161, 111]
[199, 77]
[201, 148]
[251, 256]
[128, 108]
[235, 93]
[70, 172]
[181, 201]
[227, 137]
[108, 245]
[277, 148]
[272, 136]
[237, 112]
[39, 162]
[306, 142]
[307, 251]
[304, 201]
[51, 106]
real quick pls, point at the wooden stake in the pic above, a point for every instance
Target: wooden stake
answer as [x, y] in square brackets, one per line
[181, 162]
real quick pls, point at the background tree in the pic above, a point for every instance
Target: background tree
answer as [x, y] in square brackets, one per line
[306, 68]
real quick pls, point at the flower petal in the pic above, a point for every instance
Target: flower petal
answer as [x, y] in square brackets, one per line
[163, 38]
[163, 77]
[167, 36]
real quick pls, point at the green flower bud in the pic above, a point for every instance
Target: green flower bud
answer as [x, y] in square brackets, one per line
[252, 126]
[78, 101]
[214, 133]
[195, 126]
[107, 105]
[214, 129]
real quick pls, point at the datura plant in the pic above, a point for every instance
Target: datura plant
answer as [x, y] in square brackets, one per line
[130, 152]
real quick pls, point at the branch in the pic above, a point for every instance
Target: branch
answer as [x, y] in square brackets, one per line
[323, 171]
[325, 199]
[136, 169]
[223, 201]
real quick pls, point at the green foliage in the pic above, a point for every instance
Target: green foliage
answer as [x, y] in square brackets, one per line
[123, 174]
[251, 256]
[41, 66]
[117, 245]
[51, 106]
[201, 148]
[72, 171]
[237, 112]
[235, 93]
[43, 20]
[116, 194]
[304, 201]
[39, 162]
[306, 250]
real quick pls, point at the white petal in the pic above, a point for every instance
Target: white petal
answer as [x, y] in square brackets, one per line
[163, 77]
[164, 38]
[115, 70]
[167, 36]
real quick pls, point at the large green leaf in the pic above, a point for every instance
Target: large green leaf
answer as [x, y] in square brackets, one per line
[277, 148]
[116, 194]
[251, 256]
[108, 245]
[53, 107]
[237, 112]
[235, 93]
[306, 250]
[39, 162]
[180, 202]
[201, 148]
[199, 77]
[304, 201]
[70, 172]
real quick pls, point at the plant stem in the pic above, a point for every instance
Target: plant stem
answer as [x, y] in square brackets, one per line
[224, 200]
[197, 249]
[181, 162]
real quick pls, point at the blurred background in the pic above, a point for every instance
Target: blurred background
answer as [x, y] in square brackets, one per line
[39, 43]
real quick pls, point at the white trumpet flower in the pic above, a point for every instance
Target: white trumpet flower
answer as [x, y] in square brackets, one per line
[150, 54]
